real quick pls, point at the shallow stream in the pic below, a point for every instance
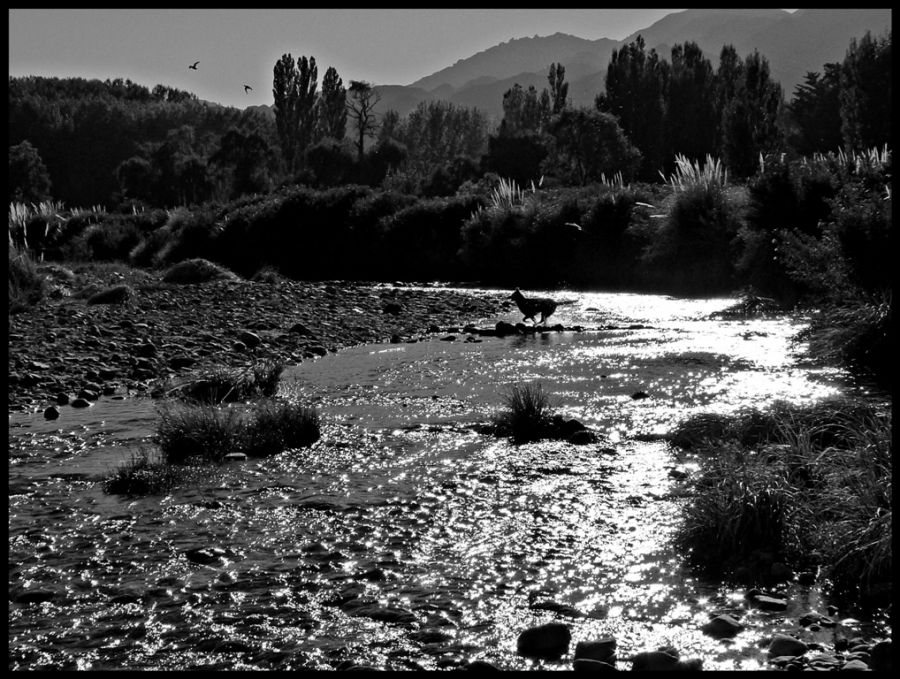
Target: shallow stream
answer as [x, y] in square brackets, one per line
[405, 538]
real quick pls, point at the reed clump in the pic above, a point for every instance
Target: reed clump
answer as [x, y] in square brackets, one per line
[802, 484]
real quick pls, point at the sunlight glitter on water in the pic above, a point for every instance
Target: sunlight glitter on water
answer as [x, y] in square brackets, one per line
[405, 507]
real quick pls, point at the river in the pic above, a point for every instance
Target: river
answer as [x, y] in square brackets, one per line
[406, 538]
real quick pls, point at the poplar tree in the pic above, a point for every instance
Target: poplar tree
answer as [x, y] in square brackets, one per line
[332, 106]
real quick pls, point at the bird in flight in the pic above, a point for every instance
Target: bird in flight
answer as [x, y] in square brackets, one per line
[194, 66]
[247, 89]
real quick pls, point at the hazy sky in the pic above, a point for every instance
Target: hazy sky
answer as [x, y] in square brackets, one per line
[240, 46]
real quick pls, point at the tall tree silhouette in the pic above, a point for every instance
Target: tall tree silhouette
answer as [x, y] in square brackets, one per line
[865, 93]
[332, 106]
[750, 120]
[362, 98]
[691, 118]
[294, 92]
[815, 112]
[559, 88]
[636, 83]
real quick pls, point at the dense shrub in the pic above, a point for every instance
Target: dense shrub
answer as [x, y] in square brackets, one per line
[196, 271]
[421, 241]
[807, 484]
[694, 249]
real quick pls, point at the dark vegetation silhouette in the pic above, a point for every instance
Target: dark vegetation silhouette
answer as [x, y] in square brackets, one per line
[682, 178]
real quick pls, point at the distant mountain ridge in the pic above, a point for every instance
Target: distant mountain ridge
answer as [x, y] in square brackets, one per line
[793, 43]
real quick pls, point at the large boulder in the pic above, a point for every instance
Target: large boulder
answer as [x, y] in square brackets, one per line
[550, 640]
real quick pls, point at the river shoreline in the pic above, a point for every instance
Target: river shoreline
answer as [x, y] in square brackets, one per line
[64, 347]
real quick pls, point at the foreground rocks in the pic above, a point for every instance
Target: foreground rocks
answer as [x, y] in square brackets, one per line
[155, 331]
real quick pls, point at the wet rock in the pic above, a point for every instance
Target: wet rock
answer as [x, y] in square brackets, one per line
[181, 361]
[557, 607]
[880, 656]
[238, 347]
[235, 457]
[89, 394]
[855, 665]
[317, 350]
[504, 328]
[768, 603]
[366, 608]
[448, 338]
[550, 640]
[583, 437]
[145, 350]
[205, 555]
[639, 395]
[62, 399]
[51, 413]
[722, 627]
[603, 650]
[813, 618]
[431, 636]
[116, 294]
[588, 665]
[654, 660]
[477, 665]
[300, 329]
[782, 644]
[81, 403]
[250, 339]
[35, 596]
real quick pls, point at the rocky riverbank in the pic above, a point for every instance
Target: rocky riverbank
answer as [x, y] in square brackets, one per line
[70, 346]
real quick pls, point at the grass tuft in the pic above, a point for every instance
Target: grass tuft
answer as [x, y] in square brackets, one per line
[794, 482]
[144, 475]
[189, 432]
[528, 415]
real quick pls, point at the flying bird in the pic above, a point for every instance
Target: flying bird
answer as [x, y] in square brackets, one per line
[194, 66]
[247, 89]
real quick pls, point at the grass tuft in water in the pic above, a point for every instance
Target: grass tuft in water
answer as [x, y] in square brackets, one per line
[188, 432]
[528, 415]
[145, 475]
[229, 385]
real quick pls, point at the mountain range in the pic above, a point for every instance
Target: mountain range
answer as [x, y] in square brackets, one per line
[793, 43]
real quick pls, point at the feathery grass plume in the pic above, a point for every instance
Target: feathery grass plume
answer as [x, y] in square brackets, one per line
[528, 415]
[617, 182]
[690, 174]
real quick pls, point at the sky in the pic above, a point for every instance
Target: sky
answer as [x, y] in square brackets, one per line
[237, 47]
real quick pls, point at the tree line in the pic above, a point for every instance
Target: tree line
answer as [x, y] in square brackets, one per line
[118, 143]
